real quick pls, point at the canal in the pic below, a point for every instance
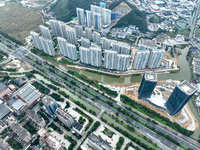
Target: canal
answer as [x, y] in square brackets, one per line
[183, 74]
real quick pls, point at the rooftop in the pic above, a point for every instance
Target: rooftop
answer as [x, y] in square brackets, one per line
[77, 126]
[186, 87]
[48, 100]
[2, 87]
[150, 75]
[5, 110]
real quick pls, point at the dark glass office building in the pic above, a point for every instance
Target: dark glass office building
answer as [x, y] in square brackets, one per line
[147, 85]
[179, 97]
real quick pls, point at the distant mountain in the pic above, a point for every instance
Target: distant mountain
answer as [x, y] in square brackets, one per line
[133, 17]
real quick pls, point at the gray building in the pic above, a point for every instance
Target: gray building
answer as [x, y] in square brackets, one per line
[35, 120]
[141, 59]
[123, 62]
[179, 97]
[50, 105]
[121, 48]
[65, 117]
[47, 46]
[155, 58]
[4, 145]
[36, 41]
[5, 111]
[45, 32]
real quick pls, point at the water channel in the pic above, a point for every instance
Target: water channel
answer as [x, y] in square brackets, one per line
[184, 74]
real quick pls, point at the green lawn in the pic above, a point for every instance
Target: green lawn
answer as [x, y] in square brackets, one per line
[14, 144]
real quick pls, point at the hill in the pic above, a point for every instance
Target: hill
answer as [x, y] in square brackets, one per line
[134, 17]
[65, 10]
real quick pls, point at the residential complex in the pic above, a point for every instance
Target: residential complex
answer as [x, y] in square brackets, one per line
[55, 27]
[47, 46]
[45, 32]
[36, 40]
[80, 16]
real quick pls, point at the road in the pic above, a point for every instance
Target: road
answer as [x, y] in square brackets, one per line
[20, 52]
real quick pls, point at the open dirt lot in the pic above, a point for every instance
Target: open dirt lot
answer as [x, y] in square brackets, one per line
[18, 21]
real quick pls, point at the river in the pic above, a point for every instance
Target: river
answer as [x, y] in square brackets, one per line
[183, 74]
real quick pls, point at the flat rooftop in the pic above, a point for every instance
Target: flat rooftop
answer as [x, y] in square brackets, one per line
[186, 87]
[150, 75]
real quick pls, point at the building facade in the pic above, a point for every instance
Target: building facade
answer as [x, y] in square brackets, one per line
[47, 46]
[45, 32]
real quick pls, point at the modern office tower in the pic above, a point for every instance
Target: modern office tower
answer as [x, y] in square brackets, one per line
[141, 59]
[97, 21]
[85, 55]
[85, 42]
[45, 32]
[179, 97]
[121, 48]
[147, 85]
[62, 28]
[105, 43]
[110, 59]
[123, 62]
[96, 56]
[55, 27]
[155, 58]
[79, 31]
[96, 37]
[71, 36]
[88, 18]
[102, 5]
[47, 46]
[106, 16]
[80, 16]
[36, 40]
[65, 117]
[88, 33]
[50, 105]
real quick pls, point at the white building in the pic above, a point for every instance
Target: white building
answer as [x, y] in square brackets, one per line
[96, 56]
[155, 58]
[96, 37]
[55, 27]
[47, 46]
[80, 16]
[97, 21]
[85, 42]
[141, 59]
[85, 56]
[88, 18]
[71, 35]
[45, 32]
[110, 59]
[88, 33]
[36, 40]
[105, 43]
[106, 16]
[62, 28]
[79, 31]
[121, 48]
[123, 62]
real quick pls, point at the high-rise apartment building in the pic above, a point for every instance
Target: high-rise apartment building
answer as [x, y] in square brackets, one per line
[105, 43]
[62, 28]
[85, 42]
[36, 40]
[110, 59]
[55, 27]
[179, 97]
[96, 56]
[121, 48]
[147, 85]
[47, 46]
[88, 19]
[45, 32]
[79, 31]
[96, 37]
[141, 59]
[123, 62]
[155, 58]
[106, 16]
[97, 21]
[85, 55]
[80, 16]
[88, 33]
[71, 35]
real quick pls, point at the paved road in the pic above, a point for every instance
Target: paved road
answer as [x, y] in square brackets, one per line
[21, 51]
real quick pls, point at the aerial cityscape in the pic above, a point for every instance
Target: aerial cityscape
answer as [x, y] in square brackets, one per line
[99, 75]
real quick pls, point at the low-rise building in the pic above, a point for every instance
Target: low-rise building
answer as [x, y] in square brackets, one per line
[22, 134]
[36, 120]
[4, 145]
[4, 90]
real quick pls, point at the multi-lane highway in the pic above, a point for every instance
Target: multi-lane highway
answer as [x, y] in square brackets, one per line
[20, 52]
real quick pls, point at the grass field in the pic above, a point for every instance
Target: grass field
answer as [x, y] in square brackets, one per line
[18, 21]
